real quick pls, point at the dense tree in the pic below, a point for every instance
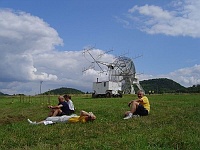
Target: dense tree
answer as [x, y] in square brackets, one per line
[194, 89]
[63, 90]
[162, 85]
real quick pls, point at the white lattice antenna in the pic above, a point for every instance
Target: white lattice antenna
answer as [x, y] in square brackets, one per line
[95, 61]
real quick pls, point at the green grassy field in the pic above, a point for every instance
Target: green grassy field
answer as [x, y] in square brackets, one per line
[173, 123]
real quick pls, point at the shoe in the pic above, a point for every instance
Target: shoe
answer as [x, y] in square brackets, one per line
[31, 122]
[130, 115]
[135, 116]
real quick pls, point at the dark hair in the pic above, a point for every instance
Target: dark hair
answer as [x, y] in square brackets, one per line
[67, 96]
[88, 118]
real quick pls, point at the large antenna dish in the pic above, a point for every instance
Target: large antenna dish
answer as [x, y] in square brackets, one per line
[124, 71]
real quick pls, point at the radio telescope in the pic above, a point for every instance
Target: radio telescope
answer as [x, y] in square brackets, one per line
[122, 70]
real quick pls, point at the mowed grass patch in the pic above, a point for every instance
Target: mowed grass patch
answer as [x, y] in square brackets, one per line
[173, 123]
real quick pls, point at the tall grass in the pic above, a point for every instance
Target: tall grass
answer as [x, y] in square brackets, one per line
[173, 123]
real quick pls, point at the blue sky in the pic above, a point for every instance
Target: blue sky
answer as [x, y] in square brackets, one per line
[43, 41]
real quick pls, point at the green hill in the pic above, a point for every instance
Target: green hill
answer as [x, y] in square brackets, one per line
[63, 90]
[2, 94]
[162, 85]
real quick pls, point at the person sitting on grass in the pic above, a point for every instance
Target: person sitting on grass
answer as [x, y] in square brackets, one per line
[84, 117]
[138, 107]
[70, 103]
[61, 109]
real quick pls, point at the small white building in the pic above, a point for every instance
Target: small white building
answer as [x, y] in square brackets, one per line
[107, 89]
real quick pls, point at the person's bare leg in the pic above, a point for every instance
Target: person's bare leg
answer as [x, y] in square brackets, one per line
[134, 106]
[40, 122]
[51, 113]
[56, 112]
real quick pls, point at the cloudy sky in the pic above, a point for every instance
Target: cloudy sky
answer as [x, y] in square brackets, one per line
[44, 40]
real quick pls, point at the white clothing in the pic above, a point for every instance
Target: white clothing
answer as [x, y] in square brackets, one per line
[63, 118]
[48, 122]
[52, 120]
[70, 104]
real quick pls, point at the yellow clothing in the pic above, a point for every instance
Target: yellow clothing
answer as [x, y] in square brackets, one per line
[145, 103]
[77, 119]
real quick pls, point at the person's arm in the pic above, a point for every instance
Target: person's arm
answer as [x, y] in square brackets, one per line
[129, 103]
[90, 115]
[137, 100]
[55, 107]
[84, 113]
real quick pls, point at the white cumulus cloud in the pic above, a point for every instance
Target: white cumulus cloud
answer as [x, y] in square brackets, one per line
[182, 18]
[185, 76]
[28, 56]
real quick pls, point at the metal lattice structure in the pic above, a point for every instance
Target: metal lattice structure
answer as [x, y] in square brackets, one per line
[124, 71]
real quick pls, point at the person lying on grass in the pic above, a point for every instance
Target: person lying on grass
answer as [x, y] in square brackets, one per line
[84, 117]
[138, 107]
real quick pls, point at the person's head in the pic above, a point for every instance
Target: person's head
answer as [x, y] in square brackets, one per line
[140, 93]
[67, 97]
[91, 117]
[60, 98]
[87, 116]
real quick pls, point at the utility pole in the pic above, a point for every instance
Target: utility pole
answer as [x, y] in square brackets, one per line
[40, 87]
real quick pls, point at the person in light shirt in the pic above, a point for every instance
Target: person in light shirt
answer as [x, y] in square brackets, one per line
[70, 103]
[138, 107]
